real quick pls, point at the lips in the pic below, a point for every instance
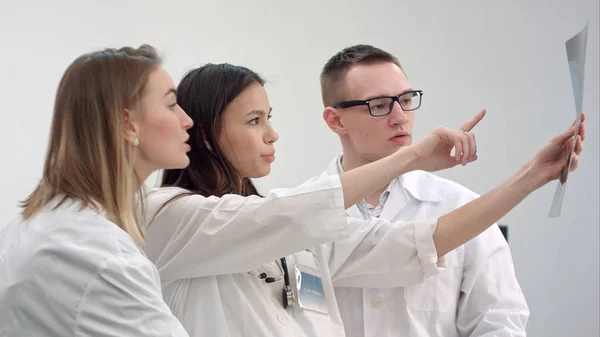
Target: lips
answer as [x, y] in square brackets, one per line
[269, 157]
[400, 138]
[188, 147]
[399, 134]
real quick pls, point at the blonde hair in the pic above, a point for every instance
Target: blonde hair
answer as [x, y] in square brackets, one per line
[88, 157]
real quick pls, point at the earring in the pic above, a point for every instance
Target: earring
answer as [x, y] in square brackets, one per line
[208, 145]
[136, 141]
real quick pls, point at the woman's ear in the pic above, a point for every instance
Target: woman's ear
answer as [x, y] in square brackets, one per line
[333, 118]
[131, 129]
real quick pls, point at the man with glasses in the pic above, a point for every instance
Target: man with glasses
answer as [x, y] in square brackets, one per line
[371, 106]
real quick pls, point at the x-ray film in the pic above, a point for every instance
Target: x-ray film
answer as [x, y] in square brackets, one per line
[576, 48]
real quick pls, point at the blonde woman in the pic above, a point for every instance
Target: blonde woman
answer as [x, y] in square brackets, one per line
[70, 264]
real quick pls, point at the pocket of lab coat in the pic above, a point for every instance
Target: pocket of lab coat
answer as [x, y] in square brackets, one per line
[437, 293]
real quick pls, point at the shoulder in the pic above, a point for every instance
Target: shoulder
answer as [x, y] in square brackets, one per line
[174, 201]
[58, 253]
[158, 196]
[165, 200]
[78, 242]
[83, 231]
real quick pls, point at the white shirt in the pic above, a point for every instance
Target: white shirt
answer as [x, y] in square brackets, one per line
[71, 272]
[209, 250]
[478, 295]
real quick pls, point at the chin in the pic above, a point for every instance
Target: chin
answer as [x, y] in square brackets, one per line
[181, 164]
[260, 172]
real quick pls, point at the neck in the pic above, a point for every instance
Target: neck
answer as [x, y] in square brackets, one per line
[142, 173]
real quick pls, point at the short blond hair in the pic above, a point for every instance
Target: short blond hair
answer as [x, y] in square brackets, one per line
[88, 158]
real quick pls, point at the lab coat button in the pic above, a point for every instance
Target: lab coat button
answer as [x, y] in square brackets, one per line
[376, 302]
[281, 319]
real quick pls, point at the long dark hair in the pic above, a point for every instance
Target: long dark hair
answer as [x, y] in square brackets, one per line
[204, 93]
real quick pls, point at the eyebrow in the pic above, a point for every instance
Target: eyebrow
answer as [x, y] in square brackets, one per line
[171, 91]
[400, 94]
[258, 112]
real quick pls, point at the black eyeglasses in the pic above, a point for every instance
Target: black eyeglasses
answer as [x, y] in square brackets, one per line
[383, 105]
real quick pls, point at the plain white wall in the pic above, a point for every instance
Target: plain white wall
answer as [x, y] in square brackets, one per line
[507, 56]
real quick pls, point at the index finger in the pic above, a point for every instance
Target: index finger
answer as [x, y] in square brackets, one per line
[467, 126]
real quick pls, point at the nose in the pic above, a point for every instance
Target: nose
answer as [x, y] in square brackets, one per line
[397, 116]
[186, 121]
[271, 136]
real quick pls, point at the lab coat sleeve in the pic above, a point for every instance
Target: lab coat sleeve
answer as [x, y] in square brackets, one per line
[196, 236]
[124, 299]
[383, 254]
[491, 301]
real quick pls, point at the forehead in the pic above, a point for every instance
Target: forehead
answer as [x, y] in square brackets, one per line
[254, 97]
[159, 83]
[368, 80]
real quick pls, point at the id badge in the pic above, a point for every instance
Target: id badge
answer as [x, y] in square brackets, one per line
[309, 286]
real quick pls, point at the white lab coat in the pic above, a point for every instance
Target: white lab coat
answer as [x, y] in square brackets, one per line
[71, 272]
[478, 295]
[209, 250]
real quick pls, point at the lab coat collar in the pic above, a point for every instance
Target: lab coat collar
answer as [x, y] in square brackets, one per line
[74, 204]
[340, 169]
[78, 206]
[418, 183]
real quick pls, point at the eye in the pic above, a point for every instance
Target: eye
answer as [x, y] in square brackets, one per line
[269, 118]
[172, 106]
[254, 121]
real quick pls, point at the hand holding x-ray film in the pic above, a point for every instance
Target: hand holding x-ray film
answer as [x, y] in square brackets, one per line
[576, 48]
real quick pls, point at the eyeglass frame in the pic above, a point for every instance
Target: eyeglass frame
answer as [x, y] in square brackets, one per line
[396, 98]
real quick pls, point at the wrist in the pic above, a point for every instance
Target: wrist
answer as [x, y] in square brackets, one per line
[405, 160]
[527, 178]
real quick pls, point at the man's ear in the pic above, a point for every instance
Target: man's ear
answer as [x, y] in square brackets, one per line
[130, 128]
[333, 118]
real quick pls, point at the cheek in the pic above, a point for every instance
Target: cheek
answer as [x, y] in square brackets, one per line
[165, 129]
[369, 130]
[239, 146]
[411, 119]
[160, 134]
[371, 137]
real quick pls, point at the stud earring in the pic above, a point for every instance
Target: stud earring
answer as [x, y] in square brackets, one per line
[136, 141]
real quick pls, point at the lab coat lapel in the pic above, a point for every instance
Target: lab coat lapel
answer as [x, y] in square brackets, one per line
[333, 169]
[397, 199]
